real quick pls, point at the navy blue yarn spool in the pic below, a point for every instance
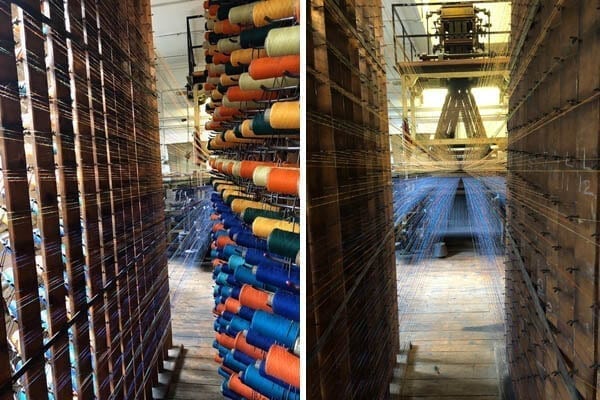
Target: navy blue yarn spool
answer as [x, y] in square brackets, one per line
[279, 328]
[234, 230]
[215, 198]
[287, 304]
[246, 312]
[256, 257]
[256, 339]
[231, 221]
[279, 276]
[226, 268]
[232, 363]
[243, 357]
[249, 240]
[273, 391]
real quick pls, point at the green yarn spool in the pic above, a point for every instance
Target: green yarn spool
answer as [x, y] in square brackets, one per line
[260, 126]
[284, 243]
[231, 70]
[250, 214]
[254, 37]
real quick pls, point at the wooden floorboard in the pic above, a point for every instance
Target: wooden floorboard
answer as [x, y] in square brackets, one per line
[192, 322]
[450, 310]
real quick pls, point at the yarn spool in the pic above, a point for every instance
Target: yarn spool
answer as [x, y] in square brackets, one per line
[248, 83]
[268, 11]
[262, 227]
[231, 70]
[285, 115]
[284, 243]
[273, 67]
[229, 44]
[216, 69]
[213, 80]
[229, 80]
[236, 169]
[226, 112]
[236, 385]
[261, 175]
[212, 126]
[209, 25]
[241, 344]
[250, 214]
[284, 180]
[255, 380]
[235, 93]
[260, 126]
[242, 14]
[286, 304]
[241, 105]
[254, 298]
[254, 37]
[283, 365]
[212, 10]
[247, 168]
[220, 58]
[246, 56]
[216, 95]
[279, 328]
[239, 206]
[225, 340]
[283, 41]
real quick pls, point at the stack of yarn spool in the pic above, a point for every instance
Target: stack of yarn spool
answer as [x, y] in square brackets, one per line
[253, 63]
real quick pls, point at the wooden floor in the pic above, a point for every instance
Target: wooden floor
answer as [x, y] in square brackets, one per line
[450, 311]
[191, 313]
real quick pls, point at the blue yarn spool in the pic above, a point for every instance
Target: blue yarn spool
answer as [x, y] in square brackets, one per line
[221, 208]
[222, 279]
[267, 387]
[228, 315]
[226, 268]
[221, 349]
[236, 261]
[246, 313]
[230, 394]
[256, 257]
[232, 363]
[279, 276]
[231, 221]
[258, 340]
[215, 197]
[230, 250]
[279, 328]
[238, 324]
[214, 254]
[223, 373]
[217, 271]
[235, 230]
[249, 240]
[286, 304]
[217, 327]
[243, 357]
[245, 275]
[220, 232]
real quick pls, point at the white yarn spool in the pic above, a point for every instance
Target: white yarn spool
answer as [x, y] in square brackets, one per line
[247, 83]
[283, 41]
[210, 24]
[242, 14]
[213, 79]
[229, 44]
[216, 69]
[268, 116]
[261, 175]
[240, 105]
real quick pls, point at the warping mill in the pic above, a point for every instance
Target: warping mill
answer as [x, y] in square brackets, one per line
[452, 198]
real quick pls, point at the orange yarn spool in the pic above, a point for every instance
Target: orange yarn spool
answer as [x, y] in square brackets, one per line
[245, 56]
[266, 11]
[212, 126]
[274, 67]
[212, 10]
[233, 306]
[216, 95]
[283, 365]
[205, 5]
[236, 385]
[255, 298]
[217, 227]
[242, 345]
[218, 359]
[229, 80]
[223, 241]
[226, 112]
[225, 340]
[283, 180]
[214, 217]
[209, 86]
[227, 28]
[234, 93]
[216, 262]
[229, 167]
[219, 309]
[247, 168]
[220, 58]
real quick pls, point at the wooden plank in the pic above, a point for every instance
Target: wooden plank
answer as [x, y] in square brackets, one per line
[42, 111]
[16, 188]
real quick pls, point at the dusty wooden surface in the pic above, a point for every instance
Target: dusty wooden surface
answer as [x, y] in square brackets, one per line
[192, 321]
[449, 309]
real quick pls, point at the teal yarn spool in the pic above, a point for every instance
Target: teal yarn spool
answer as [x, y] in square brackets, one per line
[260, 126]
[254, 37]
[231, 70]
[284, 243]
[250, 214]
